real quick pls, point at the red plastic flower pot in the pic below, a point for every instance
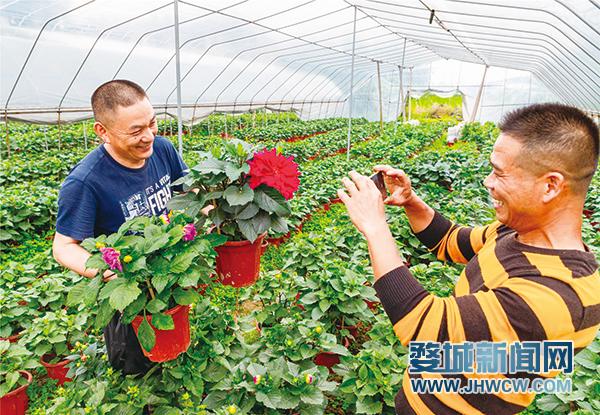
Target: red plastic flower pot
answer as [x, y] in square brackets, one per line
[12, 339]
[16, 402]
[56, 371]
[169, 343]
[327, 359]
[238, 262]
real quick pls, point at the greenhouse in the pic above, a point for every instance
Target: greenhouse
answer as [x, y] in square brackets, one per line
[299, 207]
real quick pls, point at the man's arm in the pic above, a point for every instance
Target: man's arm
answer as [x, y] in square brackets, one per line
[448, 241]
[70, 254]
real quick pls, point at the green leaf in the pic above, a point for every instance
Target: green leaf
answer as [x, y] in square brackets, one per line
[368, 406]
[105, 313]
[133, 309]
[146, 335]
[155, 306]
[190, 278]
[91, 290]
[313, 397]
[160, 282]
[210, 166]
[238, 196]
[234, 172]
[124, 295]
[247, 229]
[182, 262]
[261, 223]
[271, 200]
[76, 293]
[248, 212]
[175, 234]
[152, 232]
[96, 262]
[279, 224]
[109, 287]
[156, 243]
[162, 321]
[215, 239]
[185, 297]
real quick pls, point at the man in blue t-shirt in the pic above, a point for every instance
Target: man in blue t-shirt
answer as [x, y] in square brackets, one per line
[129, 175]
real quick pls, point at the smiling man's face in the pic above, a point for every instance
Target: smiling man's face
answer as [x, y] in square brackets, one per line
[131, 131]
[517, 193]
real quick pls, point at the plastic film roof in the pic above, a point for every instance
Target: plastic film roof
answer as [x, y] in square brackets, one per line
[237, 55]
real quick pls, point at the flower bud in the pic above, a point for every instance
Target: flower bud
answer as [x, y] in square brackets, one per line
[308, 379]
[231, 409]
[257, 379]
[127, 259]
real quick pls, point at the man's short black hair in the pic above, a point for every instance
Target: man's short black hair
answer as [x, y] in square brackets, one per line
[555, 137]
[112, 94]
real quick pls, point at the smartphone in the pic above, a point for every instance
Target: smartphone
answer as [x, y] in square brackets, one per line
[380, 183]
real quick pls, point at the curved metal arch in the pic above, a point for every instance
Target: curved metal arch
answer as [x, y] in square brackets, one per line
[151, 32]
[266, 52]
[566, 69]
[533, 9]
[556, 75]
[549, 80]
[239, 53]
[492, 17]
[98, 39]
[287, 49]
[499, 44]
[383, 26]
[35, 42]
[576, 83]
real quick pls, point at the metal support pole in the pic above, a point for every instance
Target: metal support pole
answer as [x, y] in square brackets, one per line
[351, 86]
[85, 137]
[380, 99]
[59, 132]
[409, 93]
[478, 98]
[400, 91]
[7, 135]
[178, 75]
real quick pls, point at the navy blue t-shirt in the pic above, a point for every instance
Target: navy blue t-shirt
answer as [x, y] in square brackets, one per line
[100, 194]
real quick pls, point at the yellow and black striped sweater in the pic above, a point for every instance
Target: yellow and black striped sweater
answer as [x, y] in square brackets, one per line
[508, 292]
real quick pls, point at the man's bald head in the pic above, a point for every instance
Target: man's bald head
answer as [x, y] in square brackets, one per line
[113, 94]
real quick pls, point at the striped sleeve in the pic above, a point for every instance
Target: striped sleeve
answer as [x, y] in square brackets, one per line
[521, 309]
[452, 242]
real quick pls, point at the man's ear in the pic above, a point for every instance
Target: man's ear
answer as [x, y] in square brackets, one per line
[554, 185]
[101, 132]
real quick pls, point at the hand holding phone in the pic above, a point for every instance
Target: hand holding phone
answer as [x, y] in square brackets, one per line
[380, 183]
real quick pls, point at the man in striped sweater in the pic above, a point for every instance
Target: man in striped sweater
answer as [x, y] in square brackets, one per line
[529, 276]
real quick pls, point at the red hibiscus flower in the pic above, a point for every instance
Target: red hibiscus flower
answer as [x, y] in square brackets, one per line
[276, 171]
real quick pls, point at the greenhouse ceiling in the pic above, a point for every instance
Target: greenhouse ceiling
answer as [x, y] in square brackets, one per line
[236, 55]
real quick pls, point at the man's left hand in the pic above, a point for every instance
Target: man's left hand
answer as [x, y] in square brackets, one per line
[364, 203]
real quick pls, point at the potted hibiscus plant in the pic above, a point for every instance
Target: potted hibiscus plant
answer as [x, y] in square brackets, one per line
[159, 263]
[248, 190]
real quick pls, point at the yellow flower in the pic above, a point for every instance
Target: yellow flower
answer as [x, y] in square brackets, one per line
[100, 245]
[87, 410]
[231, 409]
[127, 259]
[318, 329]
[185, 396]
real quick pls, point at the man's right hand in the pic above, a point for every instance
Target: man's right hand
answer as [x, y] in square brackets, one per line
[397, 184]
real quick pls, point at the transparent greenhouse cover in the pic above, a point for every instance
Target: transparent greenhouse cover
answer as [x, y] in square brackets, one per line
[237, 55]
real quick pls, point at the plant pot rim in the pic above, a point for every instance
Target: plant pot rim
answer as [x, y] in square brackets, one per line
[244, 242]
[169, 312]
[13, 337]
[14, 392]
[52, 365]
